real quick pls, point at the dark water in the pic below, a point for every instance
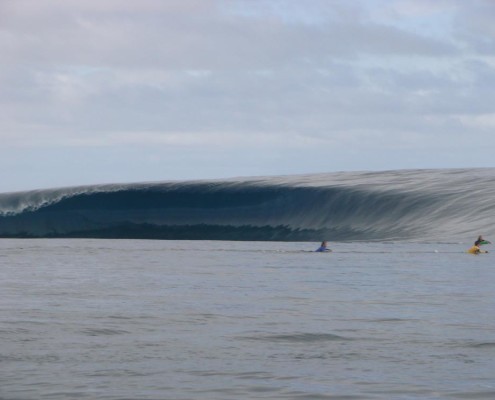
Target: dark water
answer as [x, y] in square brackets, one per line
[438, 205]
[133, 319]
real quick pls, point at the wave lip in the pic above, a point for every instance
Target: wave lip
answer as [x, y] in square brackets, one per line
[392, 205]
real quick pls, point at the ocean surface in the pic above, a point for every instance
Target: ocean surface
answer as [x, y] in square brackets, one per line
[426, 205]
[154, 319]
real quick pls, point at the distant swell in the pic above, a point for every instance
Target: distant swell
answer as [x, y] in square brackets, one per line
[393, 205]
[300, 337]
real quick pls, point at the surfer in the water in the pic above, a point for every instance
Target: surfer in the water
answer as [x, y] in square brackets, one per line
[481, 241]
[476, 249]
[323, 247]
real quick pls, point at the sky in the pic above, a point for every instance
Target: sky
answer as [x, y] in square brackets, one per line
[154, 90]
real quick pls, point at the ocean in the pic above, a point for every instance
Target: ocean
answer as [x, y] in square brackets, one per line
[234, 303]
[157, 319]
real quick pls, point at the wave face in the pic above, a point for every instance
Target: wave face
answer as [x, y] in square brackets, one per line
[439, 205]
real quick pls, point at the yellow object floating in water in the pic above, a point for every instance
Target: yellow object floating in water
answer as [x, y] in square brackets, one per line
[476, 250]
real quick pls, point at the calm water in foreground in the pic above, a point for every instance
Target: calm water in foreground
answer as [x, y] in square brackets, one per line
[129, 319]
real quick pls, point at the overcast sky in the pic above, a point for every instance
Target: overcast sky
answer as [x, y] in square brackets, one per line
[110, 91]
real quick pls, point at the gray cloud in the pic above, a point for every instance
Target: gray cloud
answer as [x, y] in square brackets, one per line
[219, 82]
[165, 35]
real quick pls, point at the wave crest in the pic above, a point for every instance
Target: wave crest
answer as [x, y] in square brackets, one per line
[420, 204]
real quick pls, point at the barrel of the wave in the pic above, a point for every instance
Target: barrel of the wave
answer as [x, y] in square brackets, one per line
[476, 248]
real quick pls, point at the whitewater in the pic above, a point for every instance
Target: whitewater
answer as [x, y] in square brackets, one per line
[431, 205]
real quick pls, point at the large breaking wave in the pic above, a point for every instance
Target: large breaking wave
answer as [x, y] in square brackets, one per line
[394, 205]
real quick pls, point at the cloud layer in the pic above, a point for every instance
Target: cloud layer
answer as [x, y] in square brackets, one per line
[155, 90]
